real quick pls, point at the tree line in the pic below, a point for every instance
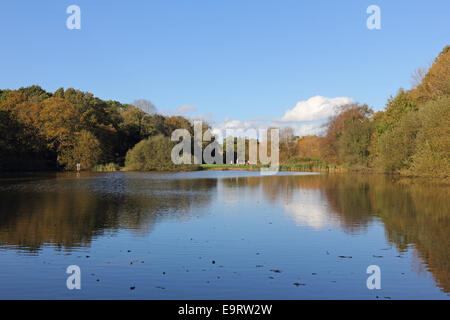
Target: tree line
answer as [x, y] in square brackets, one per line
[410, 136]
[41, 130]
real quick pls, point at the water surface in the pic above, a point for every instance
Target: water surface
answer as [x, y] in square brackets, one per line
[223, 235]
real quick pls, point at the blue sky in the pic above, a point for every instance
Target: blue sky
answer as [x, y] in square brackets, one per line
[236, 59]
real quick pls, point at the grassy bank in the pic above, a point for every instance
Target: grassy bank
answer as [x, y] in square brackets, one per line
[304, 165]
[310, 165]
[110, 167]
[234, 167]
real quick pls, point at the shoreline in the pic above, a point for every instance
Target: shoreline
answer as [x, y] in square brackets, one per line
[251, 168]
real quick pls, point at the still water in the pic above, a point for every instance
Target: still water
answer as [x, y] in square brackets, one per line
[223, 235]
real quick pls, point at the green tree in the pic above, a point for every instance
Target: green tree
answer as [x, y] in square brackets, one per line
[396, 108]
[348, 135]
[397, 145]
[354, 142]
[432, 149]
[153, 154]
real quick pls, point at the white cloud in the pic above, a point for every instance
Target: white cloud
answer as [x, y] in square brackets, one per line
[306, 209]
[240, 125]
[207, 118]
[238, 128]
[310, 129]
[309, 214]
[315, 108]
[246, 126]
[185, 109]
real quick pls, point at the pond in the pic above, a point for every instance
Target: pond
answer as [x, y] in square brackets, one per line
[223, 235]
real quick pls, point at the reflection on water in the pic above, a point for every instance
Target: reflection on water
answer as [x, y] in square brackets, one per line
[67, 213]
[70, 212]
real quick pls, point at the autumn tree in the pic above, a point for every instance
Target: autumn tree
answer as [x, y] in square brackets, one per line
[287, 144]
[85, 150]
[353, 144]
[54, 128]
[348, 135]
[436, 82]
[58, 120]
[308, 147]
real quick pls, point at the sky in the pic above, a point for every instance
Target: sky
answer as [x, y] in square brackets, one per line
[231, 62]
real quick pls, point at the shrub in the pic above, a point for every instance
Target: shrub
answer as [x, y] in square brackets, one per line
[153, 154]
[110, 167]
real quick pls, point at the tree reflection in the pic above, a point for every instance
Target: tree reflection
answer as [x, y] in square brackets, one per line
[70, 213]
[415, 213]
